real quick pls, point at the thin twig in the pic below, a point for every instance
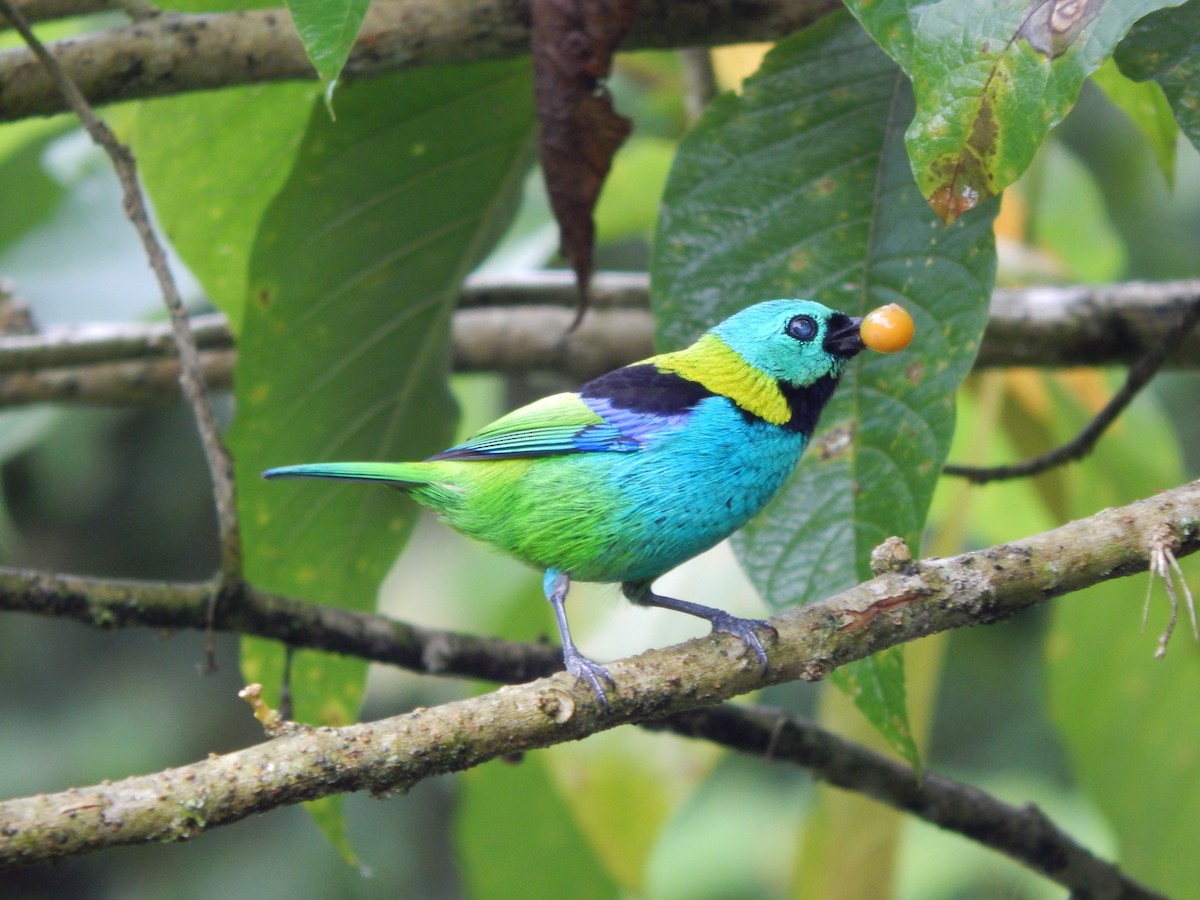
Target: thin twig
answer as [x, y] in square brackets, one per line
[191, 376]
[1140, 374]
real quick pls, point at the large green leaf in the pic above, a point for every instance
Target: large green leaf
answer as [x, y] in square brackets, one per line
[344, 347]
[1165, 46]
[800, 187]
[212, 162]
[992, 78]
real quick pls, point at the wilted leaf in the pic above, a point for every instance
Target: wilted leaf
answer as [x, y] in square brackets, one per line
[573, 44]
[800, 187]
[991, 79]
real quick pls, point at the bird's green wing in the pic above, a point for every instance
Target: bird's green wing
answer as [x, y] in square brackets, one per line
[560, 423]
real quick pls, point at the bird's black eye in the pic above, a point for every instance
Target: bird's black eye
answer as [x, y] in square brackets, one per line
[802, 328]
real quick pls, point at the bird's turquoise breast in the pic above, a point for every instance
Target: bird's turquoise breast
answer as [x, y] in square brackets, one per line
[631, 516]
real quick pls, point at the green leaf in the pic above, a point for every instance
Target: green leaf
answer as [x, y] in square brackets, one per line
[328, 29]
[1147, 108]
[329, 815]
[992, 78]
[1165, 46]
[800, 187]
[504, 804]
[344, 348]
[212, 163]
[876, 685]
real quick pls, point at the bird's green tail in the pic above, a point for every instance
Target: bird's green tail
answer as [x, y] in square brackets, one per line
[398, 474]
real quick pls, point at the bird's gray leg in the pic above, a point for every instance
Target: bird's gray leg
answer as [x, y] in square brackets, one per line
[555, 585]
[745, 630]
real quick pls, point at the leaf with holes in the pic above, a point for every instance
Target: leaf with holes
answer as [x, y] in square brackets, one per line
[991, 79]
[800, 188]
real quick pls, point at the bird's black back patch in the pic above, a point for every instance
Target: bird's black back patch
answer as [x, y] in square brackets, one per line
[643, 388]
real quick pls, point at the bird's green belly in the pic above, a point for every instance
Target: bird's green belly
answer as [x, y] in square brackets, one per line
[620, 516]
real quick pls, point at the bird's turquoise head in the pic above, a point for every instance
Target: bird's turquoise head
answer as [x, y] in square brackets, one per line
[796, 342]
[778, 361]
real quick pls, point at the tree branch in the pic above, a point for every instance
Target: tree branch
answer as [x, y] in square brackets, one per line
[173, 53]
[518, 324]
[393, 754]
[113, 603]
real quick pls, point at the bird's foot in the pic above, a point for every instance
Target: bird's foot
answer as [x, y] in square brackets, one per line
[593, 673]
[746, 630]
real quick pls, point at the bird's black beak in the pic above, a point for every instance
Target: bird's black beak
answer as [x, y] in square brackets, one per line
[842, 337]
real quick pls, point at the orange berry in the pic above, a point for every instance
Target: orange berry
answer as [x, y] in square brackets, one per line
[887, 329]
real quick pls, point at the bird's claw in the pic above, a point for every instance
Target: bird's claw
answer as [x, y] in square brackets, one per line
[593, 673]
[746, 630]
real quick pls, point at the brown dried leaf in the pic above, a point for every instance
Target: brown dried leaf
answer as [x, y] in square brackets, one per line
[573, 44]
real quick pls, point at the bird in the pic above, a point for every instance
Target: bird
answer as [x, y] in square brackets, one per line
[642, 468]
